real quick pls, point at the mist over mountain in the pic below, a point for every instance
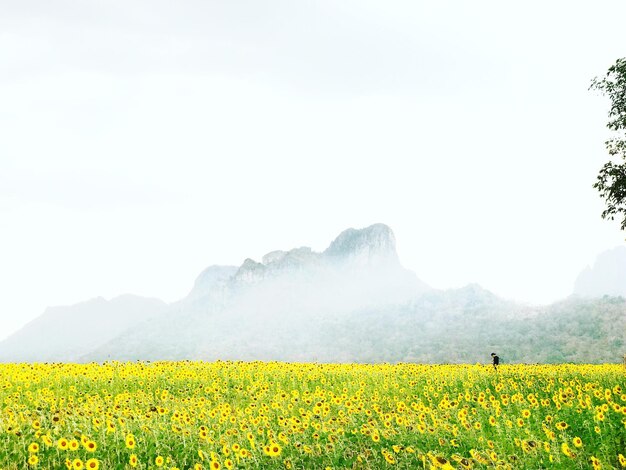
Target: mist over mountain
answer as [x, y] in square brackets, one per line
[273, 308]
[353, 302]
[607, 276]
[67, 333]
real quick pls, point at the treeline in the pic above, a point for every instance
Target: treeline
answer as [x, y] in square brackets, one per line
[454, 326]
[465, 326]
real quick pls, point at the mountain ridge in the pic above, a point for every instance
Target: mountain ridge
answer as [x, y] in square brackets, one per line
[299, 304]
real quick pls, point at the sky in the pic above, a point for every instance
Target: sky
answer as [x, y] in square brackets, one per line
[143, 141]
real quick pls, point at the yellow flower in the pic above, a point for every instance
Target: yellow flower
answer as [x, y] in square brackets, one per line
[33, 460]
[132, 460]
[77, 464]
[92, 464]
[33, 448]
[91, 446]
[275, 449]
[577, 442]
[566, 450]
[130, 441]
[159, 461]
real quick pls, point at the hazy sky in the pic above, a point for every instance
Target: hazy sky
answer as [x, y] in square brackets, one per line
[143, 141]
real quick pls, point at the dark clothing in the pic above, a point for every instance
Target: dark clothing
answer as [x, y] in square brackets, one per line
[496, 360]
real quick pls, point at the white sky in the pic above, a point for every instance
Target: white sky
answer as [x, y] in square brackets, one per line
[143, 141]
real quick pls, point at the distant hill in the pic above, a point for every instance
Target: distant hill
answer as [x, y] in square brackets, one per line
[607, 276]
[353, 302]
[67, 333]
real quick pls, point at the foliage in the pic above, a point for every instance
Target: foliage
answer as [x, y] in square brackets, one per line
[182, 415]
[465, 325]
[452, 326]
[611, 180]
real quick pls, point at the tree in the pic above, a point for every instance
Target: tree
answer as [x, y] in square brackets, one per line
[611, 179]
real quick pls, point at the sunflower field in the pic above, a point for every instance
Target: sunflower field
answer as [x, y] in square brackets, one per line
[200, 415]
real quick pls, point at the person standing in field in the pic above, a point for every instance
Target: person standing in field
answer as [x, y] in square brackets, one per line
[496, 361]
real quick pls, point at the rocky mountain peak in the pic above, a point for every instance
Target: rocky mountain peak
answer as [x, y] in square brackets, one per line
[368, 245]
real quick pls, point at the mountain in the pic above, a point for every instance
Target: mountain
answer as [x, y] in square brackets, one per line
[257, 310]
[607, 276]
[67, 333]
[352, 302]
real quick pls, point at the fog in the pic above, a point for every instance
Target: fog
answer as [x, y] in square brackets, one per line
[144, 141]
[352, 302]
[272, 308]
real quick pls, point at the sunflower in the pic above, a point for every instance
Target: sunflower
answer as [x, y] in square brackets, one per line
[567, 451]
[62, 444]
[92, 464]
[33, 460]
[595, 463]
[33, 448]
[275, 449]
[159, 461]
[130, 441]
[132, 460]
[77, 464]
[578, 442]
[91, 446]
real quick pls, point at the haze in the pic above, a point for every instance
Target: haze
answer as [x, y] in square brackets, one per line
[141, 142]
